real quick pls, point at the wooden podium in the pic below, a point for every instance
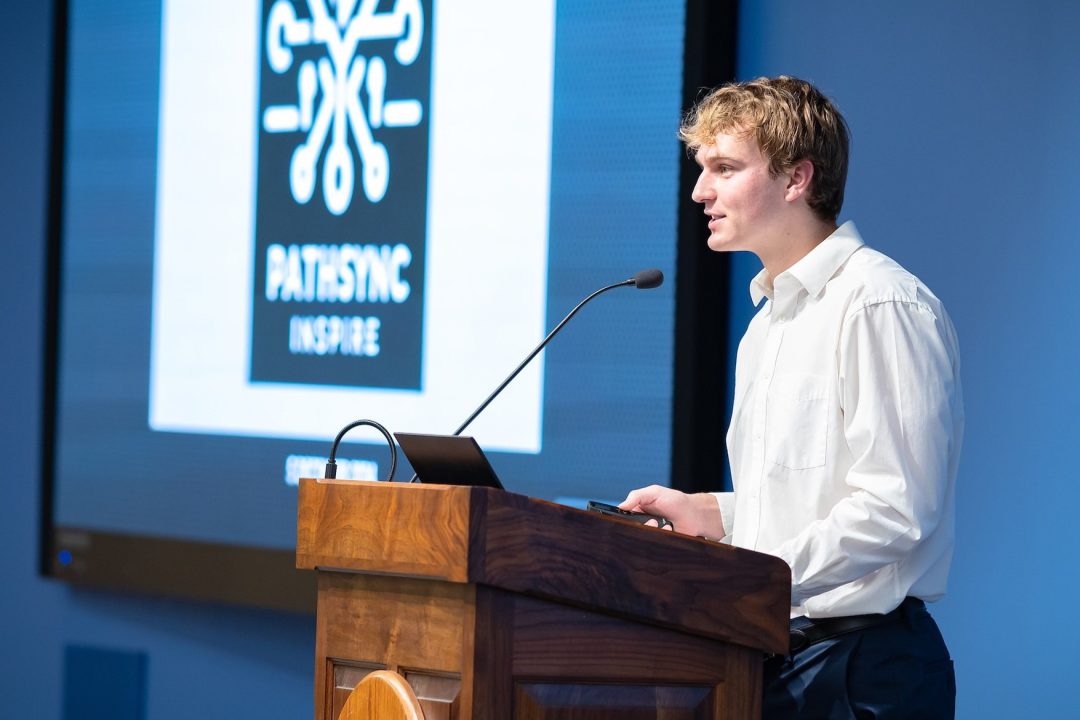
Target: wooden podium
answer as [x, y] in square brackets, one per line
[497, 606]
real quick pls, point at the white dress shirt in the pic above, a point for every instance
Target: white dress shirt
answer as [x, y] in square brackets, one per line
[846, 431]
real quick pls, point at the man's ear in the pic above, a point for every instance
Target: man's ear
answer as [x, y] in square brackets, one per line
[799, 178]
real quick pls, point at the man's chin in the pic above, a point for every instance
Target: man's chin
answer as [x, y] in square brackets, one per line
[720, 243]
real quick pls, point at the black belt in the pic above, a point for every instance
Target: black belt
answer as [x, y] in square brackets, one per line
[829, 628]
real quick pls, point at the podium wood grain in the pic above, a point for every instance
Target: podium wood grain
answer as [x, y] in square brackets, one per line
[382, 695]
[495, 605]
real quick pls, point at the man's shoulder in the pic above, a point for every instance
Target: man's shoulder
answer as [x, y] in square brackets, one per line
[870, 277]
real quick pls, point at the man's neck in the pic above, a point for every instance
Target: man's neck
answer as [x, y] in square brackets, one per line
[793, 245]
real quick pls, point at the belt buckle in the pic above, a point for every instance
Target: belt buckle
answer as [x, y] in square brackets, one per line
[798, 641]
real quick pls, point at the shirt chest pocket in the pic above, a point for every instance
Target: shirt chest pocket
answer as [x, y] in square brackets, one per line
[797, 421]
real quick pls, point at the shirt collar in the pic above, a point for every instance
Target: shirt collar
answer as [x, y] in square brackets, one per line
[815, 268]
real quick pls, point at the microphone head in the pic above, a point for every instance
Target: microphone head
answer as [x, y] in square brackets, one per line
[648, 279]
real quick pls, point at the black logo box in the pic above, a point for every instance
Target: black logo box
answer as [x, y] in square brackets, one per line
[399, 218]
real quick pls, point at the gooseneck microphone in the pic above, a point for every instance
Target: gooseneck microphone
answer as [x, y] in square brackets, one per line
[644, 280]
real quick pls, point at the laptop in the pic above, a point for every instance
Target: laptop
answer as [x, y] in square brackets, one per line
[448, 460]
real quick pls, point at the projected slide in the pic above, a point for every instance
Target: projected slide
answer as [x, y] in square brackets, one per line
[279, 216]
[352, 206]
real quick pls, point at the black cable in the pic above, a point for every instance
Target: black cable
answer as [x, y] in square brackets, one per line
[331, 466]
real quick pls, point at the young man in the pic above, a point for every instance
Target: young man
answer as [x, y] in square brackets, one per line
[847, 419]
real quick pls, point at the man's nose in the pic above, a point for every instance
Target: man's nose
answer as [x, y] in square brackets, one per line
[702, 191]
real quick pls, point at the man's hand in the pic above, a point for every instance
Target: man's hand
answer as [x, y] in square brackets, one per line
[696, 514]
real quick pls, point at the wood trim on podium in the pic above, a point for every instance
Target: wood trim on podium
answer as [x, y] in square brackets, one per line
[382, 695]
[494, 606]
[491, 537]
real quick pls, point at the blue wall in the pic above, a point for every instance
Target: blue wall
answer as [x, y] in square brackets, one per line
[964, 119]
[964, 154]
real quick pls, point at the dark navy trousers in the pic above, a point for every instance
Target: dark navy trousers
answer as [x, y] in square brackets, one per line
[898, 669]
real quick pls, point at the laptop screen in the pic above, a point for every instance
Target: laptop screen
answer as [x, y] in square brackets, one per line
[448, 460]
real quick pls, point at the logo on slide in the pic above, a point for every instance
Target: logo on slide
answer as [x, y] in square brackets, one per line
[341, 199]
[337, 79]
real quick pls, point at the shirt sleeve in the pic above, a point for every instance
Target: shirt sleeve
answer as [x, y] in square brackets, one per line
[726, 502]
[899, 394]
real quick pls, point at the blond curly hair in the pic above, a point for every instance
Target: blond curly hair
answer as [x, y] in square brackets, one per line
[790, 120]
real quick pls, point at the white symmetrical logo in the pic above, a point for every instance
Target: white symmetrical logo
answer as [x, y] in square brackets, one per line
[339, 78]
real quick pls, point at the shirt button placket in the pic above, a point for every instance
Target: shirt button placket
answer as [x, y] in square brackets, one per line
[773, 341]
